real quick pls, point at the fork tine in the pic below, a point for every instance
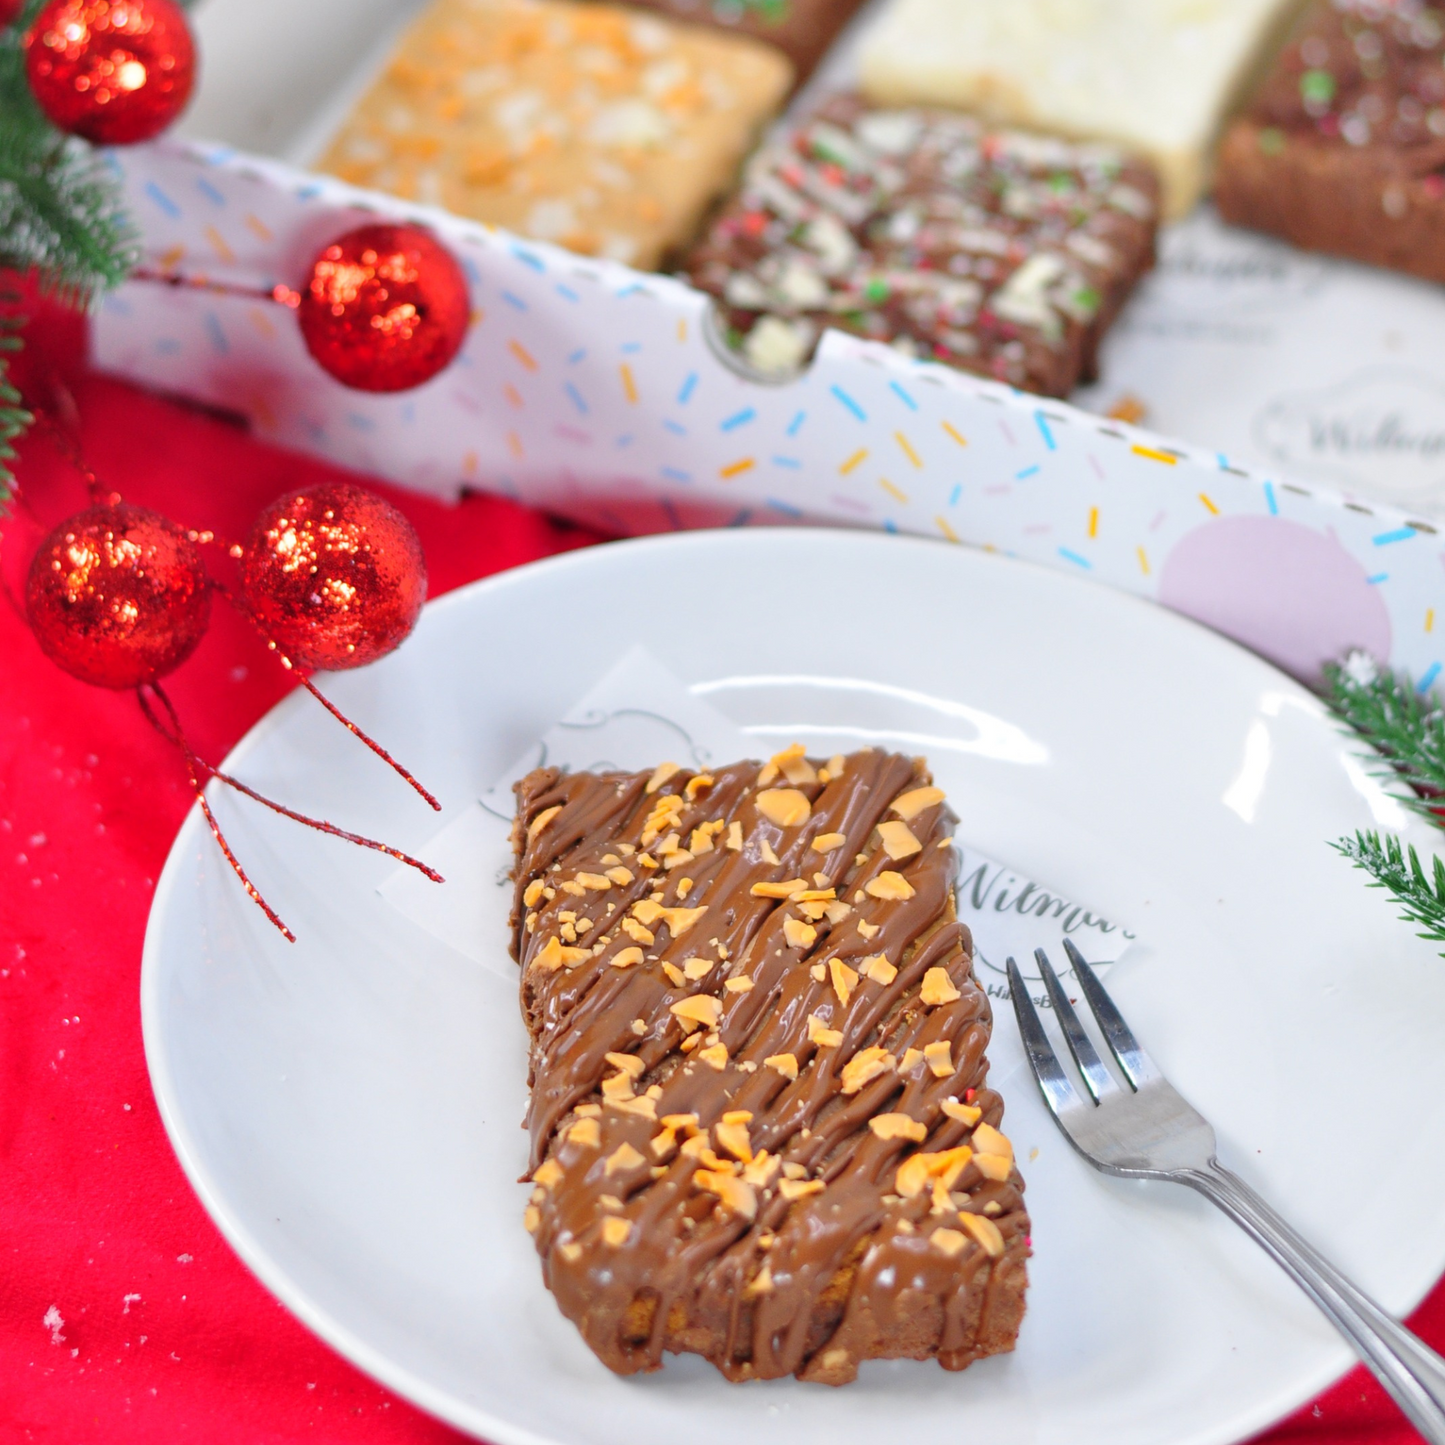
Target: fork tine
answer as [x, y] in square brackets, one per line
[1053, 1082]
[1097, 1078]
[1138, 1067]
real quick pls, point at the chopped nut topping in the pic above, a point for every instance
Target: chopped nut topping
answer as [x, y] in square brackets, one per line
[699, 1008]
[787, 807]
[570, 1252]
[761, 1283]
[940, 1058]
[819, 1033]
[784, 889]
[616, 1231]
[735, 836]
[623, 1157]
[948, 1241]
[844, 980]
[898, 840]
[741, 984]
[660, 774]
[548, 1173]
[533, 893]
[877, 967]
[826, 842]
[733, 1136]
[785, 1064]
[865, 1065]
[792, 1189]
[541, 820]
[938, 987]
[696, 968]
[867, 930]
[630, 1064]
[898, 1126]
[585, 1132]
[531, 1220]
[736, 1194]
[890, 885]
[715, 1056]
[626, 957]
[985, 1231]
[909, 805]
[619, 875]
[674, 974]
[799, 934]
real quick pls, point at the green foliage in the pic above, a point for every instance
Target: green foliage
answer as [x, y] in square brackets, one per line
[1421, 897]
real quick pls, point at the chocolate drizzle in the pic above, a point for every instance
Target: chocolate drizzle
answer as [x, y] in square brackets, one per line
[704, 1073]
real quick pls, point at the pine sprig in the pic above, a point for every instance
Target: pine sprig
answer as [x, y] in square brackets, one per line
[1421, 897]
[1405, 726]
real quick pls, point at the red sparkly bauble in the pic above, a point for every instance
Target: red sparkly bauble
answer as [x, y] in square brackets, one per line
[118, 596]
[385, 308]
[113, 71]
[333, 576]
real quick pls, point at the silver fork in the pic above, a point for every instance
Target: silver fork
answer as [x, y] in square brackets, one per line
[1143, 1128]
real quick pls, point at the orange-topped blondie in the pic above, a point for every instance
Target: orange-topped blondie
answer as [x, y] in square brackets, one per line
[600, 128]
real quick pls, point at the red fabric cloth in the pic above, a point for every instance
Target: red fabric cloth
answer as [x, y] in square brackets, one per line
[124, 1317]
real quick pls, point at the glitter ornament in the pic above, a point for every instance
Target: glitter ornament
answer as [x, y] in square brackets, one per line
[385, 308]
[333, 576]
[112, 71]
[117, 596]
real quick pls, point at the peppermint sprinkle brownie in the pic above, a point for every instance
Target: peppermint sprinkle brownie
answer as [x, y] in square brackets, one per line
[1000, 252]
[1343, 149]
[761, 1127]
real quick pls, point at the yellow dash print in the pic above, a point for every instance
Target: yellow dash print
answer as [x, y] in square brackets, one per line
[258, 227]
[852, 461]
[908, 449]
[1093, 521]
[892, 490]
[1153, 454]
[736, 469]
[261, 322]
[218, 244]
[629, 386]
[514, 445]
[1430, 619]
[946, 529]
[1143, 561]
[961, 440]
[172, 258]
[1208, 502]
[522, 354]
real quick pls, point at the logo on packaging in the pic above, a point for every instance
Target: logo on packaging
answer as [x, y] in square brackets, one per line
[1381, 431]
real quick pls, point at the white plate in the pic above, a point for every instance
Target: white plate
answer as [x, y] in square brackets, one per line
[347, 1107]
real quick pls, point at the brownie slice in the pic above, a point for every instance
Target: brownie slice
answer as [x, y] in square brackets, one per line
[1000, 252]
[1343, 149]
[802, 29]
[761, 1127]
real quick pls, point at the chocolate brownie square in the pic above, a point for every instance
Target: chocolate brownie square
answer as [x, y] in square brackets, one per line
[1343, 148]
[1000, 252]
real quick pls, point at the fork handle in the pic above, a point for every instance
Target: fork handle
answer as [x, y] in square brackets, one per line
[1408, 1368]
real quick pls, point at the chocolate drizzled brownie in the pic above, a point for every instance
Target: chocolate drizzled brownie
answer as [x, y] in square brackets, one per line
[1343, 149]
[1000, 252]
[761, 1128]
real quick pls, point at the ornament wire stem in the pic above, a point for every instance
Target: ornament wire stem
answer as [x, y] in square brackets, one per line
[197, 766]
[370, 742]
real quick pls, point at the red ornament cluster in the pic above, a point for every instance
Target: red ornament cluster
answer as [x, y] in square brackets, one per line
[385, 308]
[112, 71]
[333, 576]
[118, 596]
